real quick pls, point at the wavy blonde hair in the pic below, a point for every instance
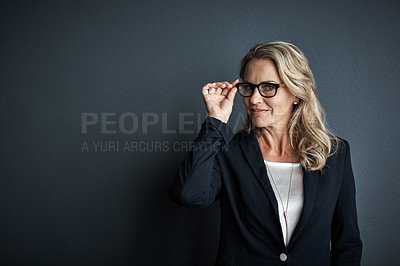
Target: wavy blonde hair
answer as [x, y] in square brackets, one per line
[308, 132]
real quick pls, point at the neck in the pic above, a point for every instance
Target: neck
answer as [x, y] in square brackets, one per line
[275, 144]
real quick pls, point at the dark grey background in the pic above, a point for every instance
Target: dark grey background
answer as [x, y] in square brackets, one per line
[60, 59]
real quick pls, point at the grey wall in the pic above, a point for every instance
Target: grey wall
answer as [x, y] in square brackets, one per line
[141, 61]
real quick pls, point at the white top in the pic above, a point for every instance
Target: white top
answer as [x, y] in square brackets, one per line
[281, 175]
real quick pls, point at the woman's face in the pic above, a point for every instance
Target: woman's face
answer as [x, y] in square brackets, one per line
[267, 112]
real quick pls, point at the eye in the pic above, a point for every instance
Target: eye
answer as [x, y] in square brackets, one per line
[267, 87]
[245, 87]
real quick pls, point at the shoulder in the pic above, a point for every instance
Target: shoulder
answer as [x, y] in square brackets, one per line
[340, 152]
[339, 146]
[239, 144]
[242, 137]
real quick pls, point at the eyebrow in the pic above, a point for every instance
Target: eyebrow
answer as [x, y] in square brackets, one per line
[268, 81]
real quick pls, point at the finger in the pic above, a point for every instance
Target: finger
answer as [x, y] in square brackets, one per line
[219, 90]
[213, 87]
[231, 94]
[220, 85]
[226, 84]
[204, 90]
[225, 91]
[235, 82]
[210, 85]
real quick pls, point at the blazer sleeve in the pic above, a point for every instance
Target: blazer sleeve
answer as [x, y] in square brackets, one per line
[346, 246]
[197, 181]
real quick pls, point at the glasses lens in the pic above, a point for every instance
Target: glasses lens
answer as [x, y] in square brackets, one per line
[246, 89]
[267, 90]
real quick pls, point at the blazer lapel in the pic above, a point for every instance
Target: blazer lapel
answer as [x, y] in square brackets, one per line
[252, 152]
[310, 182]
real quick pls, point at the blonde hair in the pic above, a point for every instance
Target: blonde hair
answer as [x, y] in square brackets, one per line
[307, 129]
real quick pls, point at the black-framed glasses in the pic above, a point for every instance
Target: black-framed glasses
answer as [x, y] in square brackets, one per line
[266, 89]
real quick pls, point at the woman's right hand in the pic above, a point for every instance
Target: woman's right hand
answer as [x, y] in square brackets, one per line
[219, 97]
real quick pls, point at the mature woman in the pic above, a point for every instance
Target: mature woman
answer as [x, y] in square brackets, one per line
[285, 183]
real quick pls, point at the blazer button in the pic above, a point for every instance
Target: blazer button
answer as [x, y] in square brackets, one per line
[283, 257]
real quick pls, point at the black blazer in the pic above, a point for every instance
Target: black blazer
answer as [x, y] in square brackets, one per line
[230, 168]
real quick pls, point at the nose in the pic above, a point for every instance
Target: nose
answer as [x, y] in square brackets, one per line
[256, 97]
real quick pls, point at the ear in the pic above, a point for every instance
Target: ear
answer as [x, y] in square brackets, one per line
[296, 101]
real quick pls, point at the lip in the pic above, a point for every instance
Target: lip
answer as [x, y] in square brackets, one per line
[256, 111]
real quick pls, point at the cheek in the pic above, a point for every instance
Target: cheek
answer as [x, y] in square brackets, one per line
[280, 103]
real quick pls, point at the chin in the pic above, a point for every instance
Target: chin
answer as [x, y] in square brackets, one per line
[258, 122]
